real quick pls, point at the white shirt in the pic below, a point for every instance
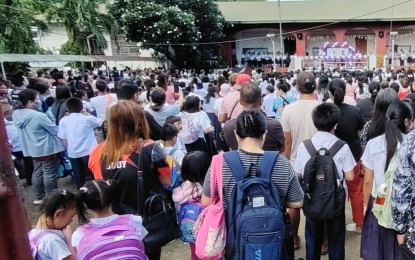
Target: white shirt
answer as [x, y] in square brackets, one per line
[374, 158]
[268, 104]
[78, 130]
[52, 247]
[200, 121]
[343, 159]
[100, 104]
[218, 104]
[178, 155]
[263, 87]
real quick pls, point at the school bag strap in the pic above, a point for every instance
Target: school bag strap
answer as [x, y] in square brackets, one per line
[334, 149]
[172, 151]
[238, 170]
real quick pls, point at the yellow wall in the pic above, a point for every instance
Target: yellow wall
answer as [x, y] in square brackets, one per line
[316, 11]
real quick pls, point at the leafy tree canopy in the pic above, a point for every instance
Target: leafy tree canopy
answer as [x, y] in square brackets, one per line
[160, 24]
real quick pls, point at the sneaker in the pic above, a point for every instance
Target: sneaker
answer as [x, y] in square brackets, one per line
[38, 202]
[352, 227]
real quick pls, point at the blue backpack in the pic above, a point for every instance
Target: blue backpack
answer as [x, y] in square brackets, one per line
[188, 214]
[255, 220]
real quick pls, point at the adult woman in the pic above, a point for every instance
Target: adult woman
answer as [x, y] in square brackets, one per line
[195, 122]
[376, 126]
[59, 107]
[250, 130]
[367, 105]
[379, 242]
[158, 109]
[39, 140]
[126, 148]
[350, 123]
[322, 90]
[164, 83]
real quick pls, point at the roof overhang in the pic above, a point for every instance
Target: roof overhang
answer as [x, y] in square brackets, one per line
[68, 58]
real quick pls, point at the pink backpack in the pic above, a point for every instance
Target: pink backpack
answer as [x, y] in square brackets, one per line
[210, 227]
[115, 240]
[36, 240]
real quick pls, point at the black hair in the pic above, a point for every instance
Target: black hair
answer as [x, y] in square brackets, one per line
[250, 94]
[374, 88]
[395, 86]
[158, 98]
[162, 81]
[149, 85]
[63, 93]
[126, 89]
[325, 116]
[252, 123]
[173, 119]
[337, 88]
[182, 84]
[17, 79]
[27, 95]
[270, 88]
[194, 166]
[50, 101]
[101, 86]
[283, 85]
[211, 91]
[74, 105]
[360, 85]
[96, 195]
[192, 104]
[382, 102]
[411, 96]
[169, 132]
[323, 82]
[80, 93]
[41, 87]
[55, 200]
[395, 126]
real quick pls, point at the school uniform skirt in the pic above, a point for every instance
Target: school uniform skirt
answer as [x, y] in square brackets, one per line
[378, 243]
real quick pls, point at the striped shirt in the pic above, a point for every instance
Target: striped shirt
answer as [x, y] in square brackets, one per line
[282, 177]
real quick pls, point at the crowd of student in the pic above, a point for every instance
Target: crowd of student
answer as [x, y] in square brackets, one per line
[111, 128]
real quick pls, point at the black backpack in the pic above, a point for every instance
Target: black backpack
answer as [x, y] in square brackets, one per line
[324, 194]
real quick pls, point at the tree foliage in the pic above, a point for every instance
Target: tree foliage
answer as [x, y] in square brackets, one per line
[16, 20]
[161, 24]
[82, 19]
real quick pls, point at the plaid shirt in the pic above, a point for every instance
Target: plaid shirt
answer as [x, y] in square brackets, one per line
[403, 196]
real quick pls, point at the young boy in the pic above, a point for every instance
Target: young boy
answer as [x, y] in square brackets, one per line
[77, 133]
[268, 102]
[325, 118]
[170, 138]
[177, 122]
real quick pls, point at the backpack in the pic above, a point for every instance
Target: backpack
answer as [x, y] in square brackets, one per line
[117, 239]
[166, 164]
[382, 206]
[324, 194]
[36, 241]
[210, 227]
[255, 219]
[188, 133]
[188, 214]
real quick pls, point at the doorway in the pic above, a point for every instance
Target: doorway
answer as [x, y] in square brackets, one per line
[361, 45]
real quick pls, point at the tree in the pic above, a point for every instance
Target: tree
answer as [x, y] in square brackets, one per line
[82, 20]
[17, 17]
[174, 28]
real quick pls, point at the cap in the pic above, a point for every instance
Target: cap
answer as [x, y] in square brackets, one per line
[305, 77]
[242, 79]
[224, 89]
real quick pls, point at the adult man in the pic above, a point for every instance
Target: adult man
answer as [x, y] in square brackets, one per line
[231, 107]
[250, 98]
[297, 124]
[127, 89]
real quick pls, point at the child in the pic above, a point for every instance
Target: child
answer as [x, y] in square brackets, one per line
[50, 238]
[177, 122]
[49, 102]
[87, 105]
[325, 118]
[170, 137]
[106, 231]
[194, 167]
[268, 102]
[77, 132]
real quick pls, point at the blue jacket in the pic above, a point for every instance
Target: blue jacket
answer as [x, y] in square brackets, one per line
[37, 133]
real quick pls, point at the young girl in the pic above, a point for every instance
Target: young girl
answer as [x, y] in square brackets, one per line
[50, 238]
[194, 167]
[106, 235]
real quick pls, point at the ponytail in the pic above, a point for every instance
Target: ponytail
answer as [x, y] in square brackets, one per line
[338, 96]
[337, 88]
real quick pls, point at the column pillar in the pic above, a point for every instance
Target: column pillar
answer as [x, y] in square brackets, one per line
[339, 33]
[300, 44]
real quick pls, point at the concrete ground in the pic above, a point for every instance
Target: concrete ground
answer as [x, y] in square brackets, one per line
[181, 251]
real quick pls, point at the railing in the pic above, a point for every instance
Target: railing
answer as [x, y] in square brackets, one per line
[349, 65]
